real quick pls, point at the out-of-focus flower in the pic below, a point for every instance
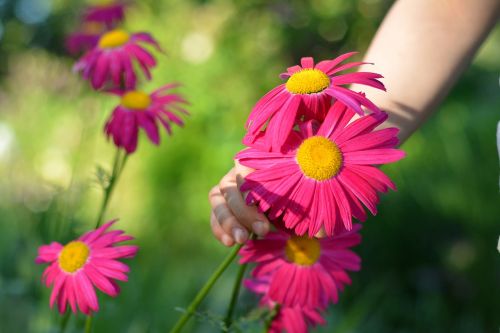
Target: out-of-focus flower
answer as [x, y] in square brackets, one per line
[79, 266]
[323, 174]
[309, 91]
[96, 21]
[294, 319]
[301, 271]
[85, 38]
[142, 110]
[111, 62]
[107, 14]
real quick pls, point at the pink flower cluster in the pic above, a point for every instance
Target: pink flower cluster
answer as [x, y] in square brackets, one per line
[301, 274]
[314, 152]
[111, 61]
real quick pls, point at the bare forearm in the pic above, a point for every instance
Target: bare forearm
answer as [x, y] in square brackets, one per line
[421, 48]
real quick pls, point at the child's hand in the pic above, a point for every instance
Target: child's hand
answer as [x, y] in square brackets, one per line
[231, 218]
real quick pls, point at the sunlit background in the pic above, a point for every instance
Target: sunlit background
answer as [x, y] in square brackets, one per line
[430, 262]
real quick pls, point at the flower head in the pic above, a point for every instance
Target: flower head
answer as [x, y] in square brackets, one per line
[111, 62]
[96, 21]
[309, 91]
[324, 173]
[138, 109]
[87, 262]
[84, 38]
[107, 14]
[299, 271]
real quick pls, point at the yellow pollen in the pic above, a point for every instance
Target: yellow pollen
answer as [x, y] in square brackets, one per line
[302, 250]
[113, 38]
[73, 256]
[319, 158]
[136, 100]
[308, 81]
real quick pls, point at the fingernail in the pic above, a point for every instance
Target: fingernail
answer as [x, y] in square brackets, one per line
[260, 228]
[240, 235]
[227, 240]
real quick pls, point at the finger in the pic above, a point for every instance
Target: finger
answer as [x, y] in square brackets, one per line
[225, 217]
[219, 233]
[321, 233]
[247, 215]
[241, 172]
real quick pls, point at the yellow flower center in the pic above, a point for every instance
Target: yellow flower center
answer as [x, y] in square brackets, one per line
[302, 250]
[113, 38]
[308, 81]
[136, 100]
[73, 256]
[319, 158]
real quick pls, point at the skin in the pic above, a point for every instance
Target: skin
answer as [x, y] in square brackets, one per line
[421, 48]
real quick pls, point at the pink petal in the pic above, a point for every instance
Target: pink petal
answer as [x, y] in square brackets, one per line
[124, 251]
[328, 65]
[385, 138]
[307, 62]
[86, 291]
[374, 156]
[342, 202]
[281, 123]
[48, 253]
[147, 122]
[58, 285]
[374, 177]
[360, 126]
[101, 282]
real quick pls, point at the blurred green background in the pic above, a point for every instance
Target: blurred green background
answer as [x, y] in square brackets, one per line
[430, 262]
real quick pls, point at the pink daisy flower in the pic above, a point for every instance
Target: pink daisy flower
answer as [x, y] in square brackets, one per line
[138, 109]
[108, 14]
[294, 319]
[110, 62]
[79, 266]
[301, 271]
[323, 174]
[309, 91]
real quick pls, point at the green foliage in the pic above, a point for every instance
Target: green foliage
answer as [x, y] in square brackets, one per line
[429, 257]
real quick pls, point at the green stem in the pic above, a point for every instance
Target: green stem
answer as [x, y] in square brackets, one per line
[64, 322]
[234, 297]
[115, 174]
[269, 321]
[204, 291]
[88, 324]
[236, 291]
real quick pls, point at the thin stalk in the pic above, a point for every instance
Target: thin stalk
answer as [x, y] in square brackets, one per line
[236, 292]
[205, 290]
[234, 297]
[269, 321]
[115, 174]
[64, 321]
[88, 324]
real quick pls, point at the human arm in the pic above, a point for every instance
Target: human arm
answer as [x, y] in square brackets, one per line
[421, 49]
